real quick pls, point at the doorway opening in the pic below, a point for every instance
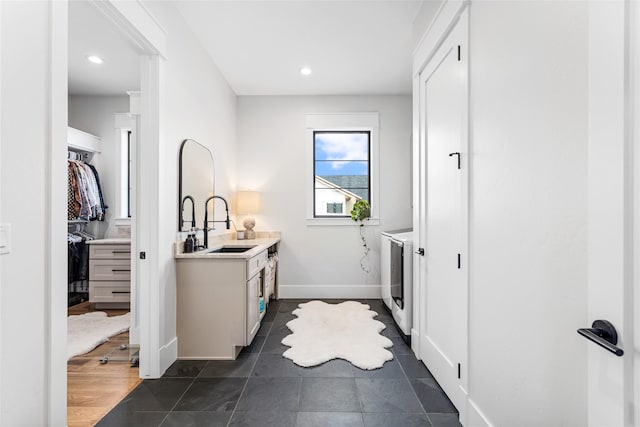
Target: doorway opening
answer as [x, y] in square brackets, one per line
[103, 77]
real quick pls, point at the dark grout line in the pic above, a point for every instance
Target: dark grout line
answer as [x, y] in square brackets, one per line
[179, 399]
[255, 362]
[411, 386]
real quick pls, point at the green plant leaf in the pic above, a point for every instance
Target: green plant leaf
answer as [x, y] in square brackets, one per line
[361, 211]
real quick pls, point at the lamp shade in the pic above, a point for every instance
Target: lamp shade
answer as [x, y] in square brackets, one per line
[248, 202]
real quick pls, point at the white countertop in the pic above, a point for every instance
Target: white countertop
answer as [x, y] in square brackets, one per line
[113, 241]
[263, 242]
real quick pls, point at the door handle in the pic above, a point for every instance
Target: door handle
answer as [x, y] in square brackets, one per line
[604, 334]
[456, 154]
[420, 251]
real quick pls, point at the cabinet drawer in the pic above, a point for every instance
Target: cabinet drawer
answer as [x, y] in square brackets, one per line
[110, 269]
[256, 264]
[109, 292]
[110, 252]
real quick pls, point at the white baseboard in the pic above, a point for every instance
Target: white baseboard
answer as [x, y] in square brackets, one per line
[134, 336]
[475, 417]
[329, 291]
[415, 343]
[168, 355]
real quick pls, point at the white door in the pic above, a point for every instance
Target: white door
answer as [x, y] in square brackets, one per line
[443, 230]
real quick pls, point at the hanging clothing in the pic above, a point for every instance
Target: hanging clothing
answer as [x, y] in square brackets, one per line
[84, 193]
[73, 202]
[78, 267]
[99, 191]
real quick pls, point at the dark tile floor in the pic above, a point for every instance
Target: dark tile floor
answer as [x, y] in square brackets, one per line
[262, 388]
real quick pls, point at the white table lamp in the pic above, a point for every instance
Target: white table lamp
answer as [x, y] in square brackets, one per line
[248, 203]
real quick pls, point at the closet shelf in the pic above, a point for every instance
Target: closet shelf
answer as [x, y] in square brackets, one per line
[82, 141]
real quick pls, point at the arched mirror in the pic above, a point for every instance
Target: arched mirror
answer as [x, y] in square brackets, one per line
[195, 184]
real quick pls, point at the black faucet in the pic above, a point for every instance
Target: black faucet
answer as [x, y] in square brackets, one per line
[193, 211]
[206, 218]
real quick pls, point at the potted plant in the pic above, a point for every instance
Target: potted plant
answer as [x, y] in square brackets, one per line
[362, 212]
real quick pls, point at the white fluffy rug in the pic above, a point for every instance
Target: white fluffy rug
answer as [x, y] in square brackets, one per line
[329, 331]
[87, 331]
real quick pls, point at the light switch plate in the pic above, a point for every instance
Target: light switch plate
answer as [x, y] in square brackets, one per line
[5, 239]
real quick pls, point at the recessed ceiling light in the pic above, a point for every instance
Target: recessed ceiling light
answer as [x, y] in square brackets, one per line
[95, 59]
[305, 71]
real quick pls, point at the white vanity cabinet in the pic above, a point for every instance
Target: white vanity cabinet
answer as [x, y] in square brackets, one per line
[218, 304]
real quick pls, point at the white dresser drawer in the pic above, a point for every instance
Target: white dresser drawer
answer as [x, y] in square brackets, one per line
[110, 269]
[110, 252]
[256, 263]
[109, 291]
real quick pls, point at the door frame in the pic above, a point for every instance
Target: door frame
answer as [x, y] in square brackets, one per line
[613, 181]
[634, 128]
[135, 22]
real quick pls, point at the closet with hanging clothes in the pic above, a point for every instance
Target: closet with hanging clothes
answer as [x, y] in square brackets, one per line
[85, 203]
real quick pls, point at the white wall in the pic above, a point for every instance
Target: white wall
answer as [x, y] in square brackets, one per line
[198, 104]
[95, 114]
[320, 261]
[31, 192]
[528, 211]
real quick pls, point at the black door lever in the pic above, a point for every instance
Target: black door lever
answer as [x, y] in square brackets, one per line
[604, 334]
[420, 251]
[456, 154]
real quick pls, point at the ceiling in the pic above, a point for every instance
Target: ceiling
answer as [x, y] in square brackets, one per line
[91, 33]
[352, 47]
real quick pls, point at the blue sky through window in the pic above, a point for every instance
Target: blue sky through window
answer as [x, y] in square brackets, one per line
[341, 153]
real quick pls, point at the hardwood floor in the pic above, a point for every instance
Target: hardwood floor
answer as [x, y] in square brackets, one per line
[93, 389]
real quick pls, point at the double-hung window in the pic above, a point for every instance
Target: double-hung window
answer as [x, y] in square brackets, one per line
[342, 166]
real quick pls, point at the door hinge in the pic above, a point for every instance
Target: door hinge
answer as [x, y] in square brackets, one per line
[143, 255]
[459, 371]
[458, 52]
[459, 261]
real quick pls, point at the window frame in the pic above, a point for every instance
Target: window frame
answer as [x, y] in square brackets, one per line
[343, 122]
[342, 132]
[129, 171]
[123, 207]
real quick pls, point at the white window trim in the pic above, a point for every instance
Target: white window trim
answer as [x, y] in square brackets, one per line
[124, 122]
[344, 122]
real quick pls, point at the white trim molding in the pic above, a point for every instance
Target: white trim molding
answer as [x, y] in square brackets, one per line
[169, 352]
[329, 291]
[475, 417]
[440, 27]
[356, 121]
[137, 23]
[340, 222]
[56, 258]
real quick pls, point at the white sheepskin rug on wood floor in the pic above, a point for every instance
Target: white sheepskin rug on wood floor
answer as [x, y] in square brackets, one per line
[330, 331]
[87, 331]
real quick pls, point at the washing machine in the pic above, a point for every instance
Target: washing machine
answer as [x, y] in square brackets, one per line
[396, 274]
